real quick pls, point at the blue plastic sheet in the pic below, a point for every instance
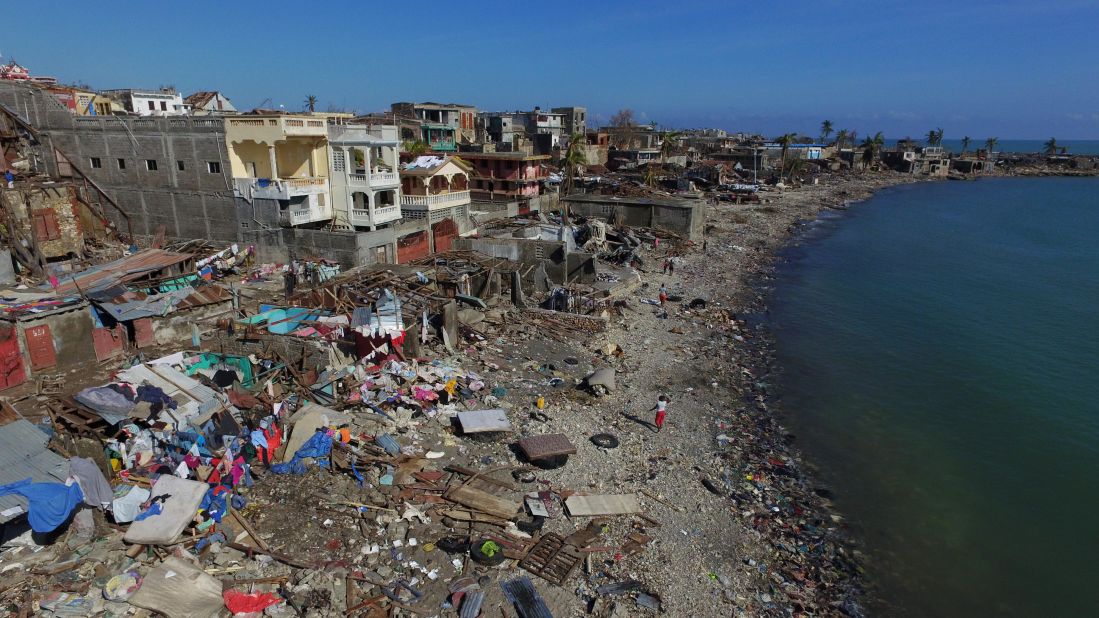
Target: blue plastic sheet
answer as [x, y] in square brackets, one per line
[318, 446]
[48, 504]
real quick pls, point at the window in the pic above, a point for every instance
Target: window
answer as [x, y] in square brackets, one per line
[150, 164]
[122, 164]
[96, 162]
[320, 200]
[152, 106]
[163, 106]
[214, 167]
[181, 166]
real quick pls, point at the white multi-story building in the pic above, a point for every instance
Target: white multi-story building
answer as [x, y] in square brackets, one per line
[166, 102]
[365, 176]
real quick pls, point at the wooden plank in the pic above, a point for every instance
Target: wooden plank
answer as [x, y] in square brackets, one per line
[484, 502]
[610, 504]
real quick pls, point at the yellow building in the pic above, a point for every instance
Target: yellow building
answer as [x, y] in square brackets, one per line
[282, 157]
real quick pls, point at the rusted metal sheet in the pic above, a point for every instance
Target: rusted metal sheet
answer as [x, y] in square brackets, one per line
[546, 446]
[130, 268]
[143, 332]
[552, 559]
[412, 247]
[445, 232]
[12, 372]
[40, 347]
[108, 342]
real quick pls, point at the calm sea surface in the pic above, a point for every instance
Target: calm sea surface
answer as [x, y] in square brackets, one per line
[940, 348]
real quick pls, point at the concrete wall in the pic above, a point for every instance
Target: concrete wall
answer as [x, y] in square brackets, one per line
[191, 203]
[279, 244]
[559, 264]
[684, 217]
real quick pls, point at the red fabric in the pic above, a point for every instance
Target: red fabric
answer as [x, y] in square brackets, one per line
[660, 418]
[241, 603]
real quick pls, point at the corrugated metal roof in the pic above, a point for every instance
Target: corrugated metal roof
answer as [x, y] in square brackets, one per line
[23, 454]
[122, 270]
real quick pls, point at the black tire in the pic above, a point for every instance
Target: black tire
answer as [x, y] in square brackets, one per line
[605, 440]
[480, 558]
[532, 526]
[452, 545]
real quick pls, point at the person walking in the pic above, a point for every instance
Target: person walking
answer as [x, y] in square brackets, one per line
[671, 265]
[661, 408]
[663, 294]
[664, 267]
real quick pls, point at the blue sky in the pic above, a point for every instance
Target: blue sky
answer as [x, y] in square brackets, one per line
[1013, 69]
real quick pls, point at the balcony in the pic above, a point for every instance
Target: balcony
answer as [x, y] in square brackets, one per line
[375, 180]
[268, 129]
[435, 202]
[281, 188]
[382, 214]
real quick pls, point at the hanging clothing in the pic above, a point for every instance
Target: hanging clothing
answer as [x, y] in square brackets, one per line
[48, 504]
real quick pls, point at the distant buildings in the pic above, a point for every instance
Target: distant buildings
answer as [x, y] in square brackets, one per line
[162, 102]
[209, 102]
[443, 125]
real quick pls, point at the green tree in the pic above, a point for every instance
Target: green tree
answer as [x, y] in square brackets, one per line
[825, 131]
[965, 144]
[841, 138]
[311, 102]
[935, 137]
[990, 144]
[1051, 146]
[415, 147]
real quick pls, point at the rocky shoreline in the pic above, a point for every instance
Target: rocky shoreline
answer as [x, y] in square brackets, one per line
[752, 534]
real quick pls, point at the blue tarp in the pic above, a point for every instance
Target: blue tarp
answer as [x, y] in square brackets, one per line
[48, 504]
[318, 445]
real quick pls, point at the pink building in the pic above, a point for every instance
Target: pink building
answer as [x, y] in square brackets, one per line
[506, 175]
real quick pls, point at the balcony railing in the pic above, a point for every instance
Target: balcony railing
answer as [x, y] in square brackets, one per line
[382, 214]
[304, 215]
[375, 178]
[442, 200]
[305, 183]
[281, 188]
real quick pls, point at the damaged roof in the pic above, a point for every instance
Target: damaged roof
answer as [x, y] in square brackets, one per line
[123, 270]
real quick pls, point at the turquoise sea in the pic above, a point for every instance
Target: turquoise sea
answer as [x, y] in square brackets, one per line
[939, 347]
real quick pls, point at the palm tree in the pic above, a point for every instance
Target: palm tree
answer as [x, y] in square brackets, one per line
[965, 144]
[871, 146]
[573, 159]
[841, 138]
[907, 143]
[825, 130]
[853, 136]
[667, 143]
[311, 102]
[1051, 146]
[415, 148]
[990, 144]
[785, 140]
[935, 137]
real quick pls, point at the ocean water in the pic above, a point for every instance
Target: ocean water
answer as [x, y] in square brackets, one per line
[1075, 146]
[939, 347]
